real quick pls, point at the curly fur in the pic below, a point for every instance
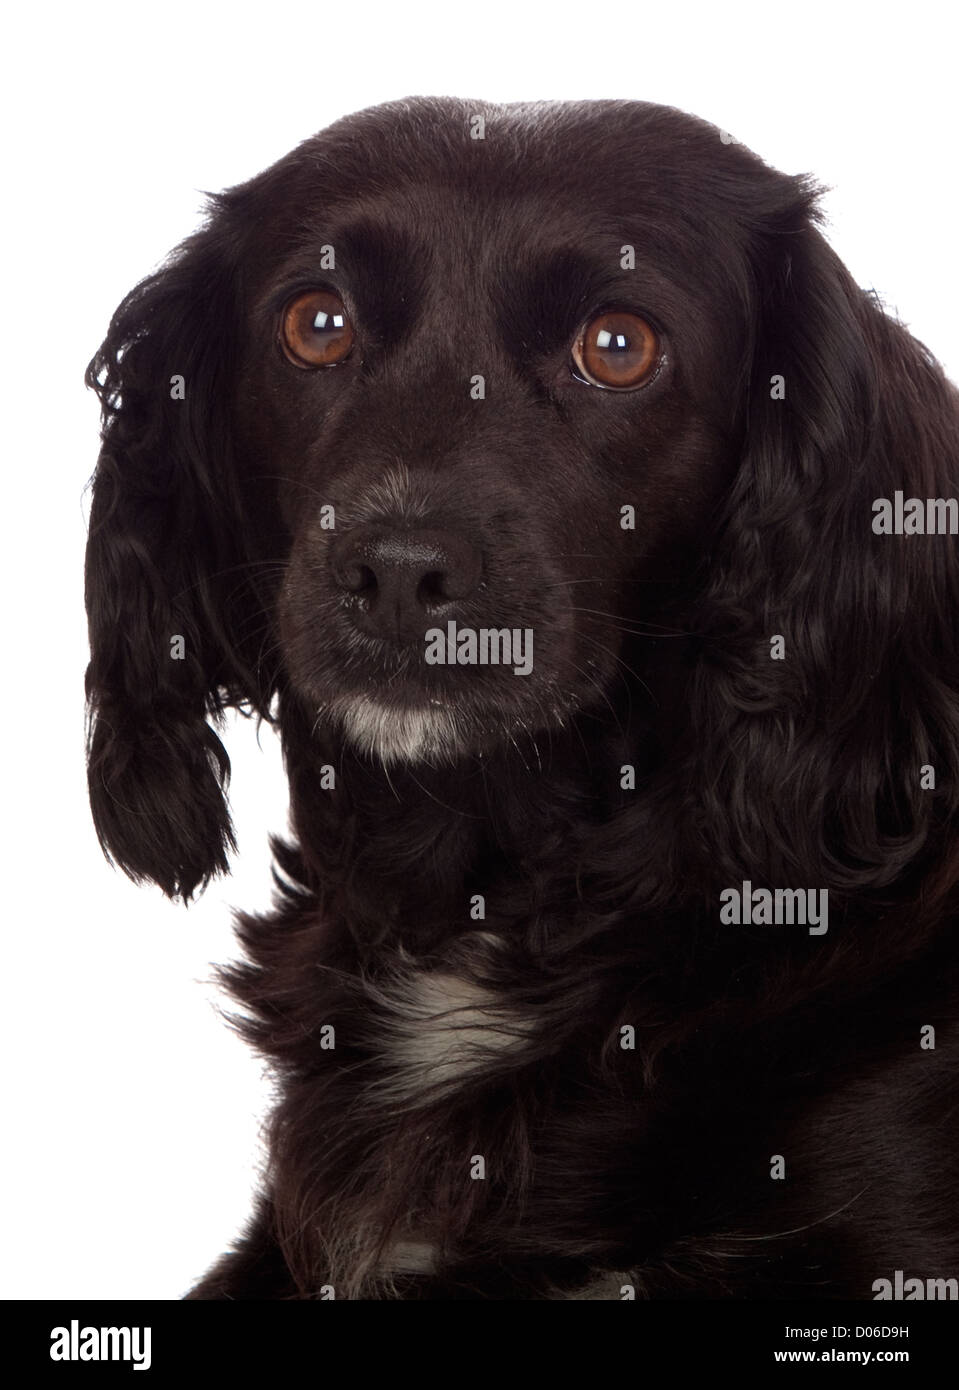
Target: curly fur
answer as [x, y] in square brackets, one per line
[411, 1037]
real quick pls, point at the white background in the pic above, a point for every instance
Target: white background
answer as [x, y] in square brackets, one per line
[130, 1112]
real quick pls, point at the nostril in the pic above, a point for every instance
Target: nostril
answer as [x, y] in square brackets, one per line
[433, 588]
[358, 578]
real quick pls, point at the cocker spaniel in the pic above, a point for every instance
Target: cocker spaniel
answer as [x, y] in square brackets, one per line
[590, 538]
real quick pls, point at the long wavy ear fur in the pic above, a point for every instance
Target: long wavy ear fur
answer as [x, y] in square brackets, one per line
[167, 574]
[814, 761]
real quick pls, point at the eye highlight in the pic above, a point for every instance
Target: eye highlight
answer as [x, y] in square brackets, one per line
[617, 350]
[316, 330]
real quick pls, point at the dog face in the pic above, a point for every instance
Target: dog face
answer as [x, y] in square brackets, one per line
[590, 378]
[513, 342]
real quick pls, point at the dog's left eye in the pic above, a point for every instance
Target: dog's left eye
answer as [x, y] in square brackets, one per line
[617, 350]
[316, 330]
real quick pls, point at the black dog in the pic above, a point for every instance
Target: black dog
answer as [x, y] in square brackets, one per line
[535, 468]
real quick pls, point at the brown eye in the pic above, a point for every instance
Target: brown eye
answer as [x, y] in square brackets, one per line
[316, 329]
[617, 350]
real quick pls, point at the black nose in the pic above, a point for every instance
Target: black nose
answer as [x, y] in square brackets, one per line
[399, 579]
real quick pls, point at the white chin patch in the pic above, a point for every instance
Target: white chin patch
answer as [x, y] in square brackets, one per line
[398, 736]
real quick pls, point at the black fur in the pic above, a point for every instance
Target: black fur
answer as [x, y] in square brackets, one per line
[605, 1166]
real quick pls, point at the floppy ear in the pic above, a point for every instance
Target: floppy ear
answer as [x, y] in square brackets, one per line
[812, 751]
[170, 591]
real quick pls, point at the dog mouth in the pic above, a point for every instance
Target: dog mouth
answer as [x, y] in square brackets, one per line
[458, 686]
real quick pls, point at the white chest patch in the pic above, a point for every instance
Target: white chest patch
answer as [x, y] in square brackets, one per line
[439, 1029]
[409, 1257]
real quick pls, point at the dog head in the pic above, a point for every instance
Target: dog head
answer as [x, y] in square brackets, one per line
[440, 418]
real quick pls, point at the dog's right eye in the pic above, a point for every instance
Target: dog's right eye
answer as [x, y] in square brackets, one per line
[316, 330]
